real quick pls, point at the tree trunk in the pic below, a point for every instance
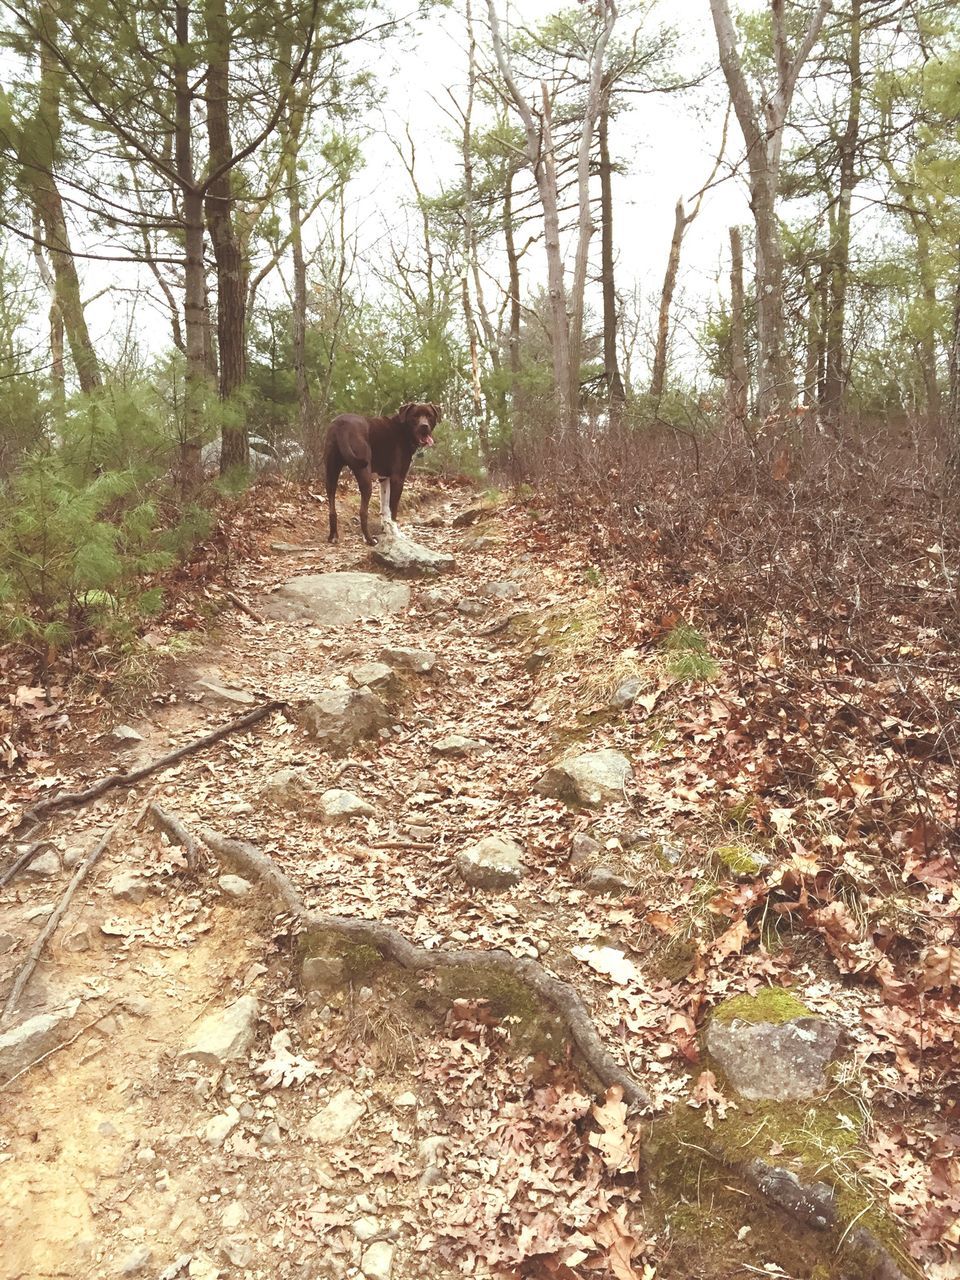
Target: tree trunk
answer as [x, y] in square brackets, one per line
[666, 300]
[739, 376]
[49, 206]
[836, 371]
[194, 293]
[611, 365]
[231, 268]
[55, 319]
[775, 386]
[299, 318]
[928, 334]
[513, 274]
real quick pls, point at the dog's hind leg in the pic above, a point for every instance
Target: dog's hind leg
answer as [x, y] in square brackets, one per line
[333, 468]
[365, 483]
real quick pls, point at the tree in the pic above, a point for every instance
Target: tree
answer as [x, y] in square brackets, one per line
[763, 122]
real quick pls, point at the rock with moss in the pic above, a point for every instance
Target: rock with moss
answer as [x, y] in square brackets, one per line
[496, 862]
[770, 1046]
[591, 778]
[745, 861]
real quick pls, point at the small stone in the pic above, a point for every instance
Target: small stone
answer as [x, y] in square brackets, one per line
[235, 886]
[233, 1216]
[138, 1006]
[340, 806]
[216, 1131]
[365, 1227]
[129, 886]
[501, 590]
[470, 515]
[376, 676]
[72, 856]
[536, 661]
[432, 598]
[271, 1136]
[421, 833]
[176, 1268]
[286, 788]
[456, 745]
[340, 718]
[145, 1155]
[471, 606]
[582, 849]
[28, 1041]
[496, 862]
[137, 1261]
[377, 1261]
[591, 778]
[432, 1176]
[626, 693]
[43, 867]
[334, 1121]
[601, 879]
[321, 973]
[405, 1101]
[83, 938]
[420, 661]
[7, 942]
[237, 1251]
[543, 946]
[225, 693]
[125, 735]
[226, 1035]
[107, 1129]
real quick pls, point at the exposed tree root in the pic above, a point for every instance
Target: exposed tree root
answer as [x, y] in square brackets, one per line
[178, 833]
[74, 799]
[559, 997]
[33, 955]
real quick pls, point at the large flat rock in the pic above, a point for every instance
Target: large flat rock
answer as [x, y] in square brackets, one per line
[337, 599]
[404, 556]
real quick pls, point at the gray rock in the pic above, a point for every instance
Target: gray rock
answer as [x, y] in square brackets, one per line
[417, 832]
[225, 1035]
[72, 856]
[340, 806]
[764, 1060]
[28, 1041]
[376, 676]
[340, 718]
[125, 735]
[422, 661]
[225, 693]
[7, 942]
[472, 606]
[364, 1228]
[582, 849]
[483, 543]
[601, 879]
[137, 1262]
[496, 862]
[410, 558]
[470, 515]
[588, 779]
[83, 938]
[286, 788]
[321, 973]
[338, 599]
[456, 745]
[433, 598]
[536, 661]
[337, 1118]
[377, 1262]
[44, 866]
[271, 1136]
[235, 886]
[237, 1251]
[129, 886]
[626, 693]
[218, 1129]
[501, 589]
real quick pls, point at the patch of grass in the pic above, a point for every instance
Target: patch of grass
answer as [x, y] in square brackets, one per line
[741, 859]
[688, 658]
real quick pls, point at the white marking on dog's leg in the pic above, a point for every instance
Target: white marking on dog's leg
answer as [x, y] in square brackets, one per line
[386, 520]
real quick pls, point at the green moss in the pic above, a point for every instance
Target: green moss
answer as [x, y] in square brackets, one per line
[532, 1028]
[772, 1004]
[741, 859]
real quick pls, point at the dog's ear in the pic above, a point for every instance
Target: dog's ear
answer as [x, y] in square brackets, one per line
[437, 412]
[405, 412]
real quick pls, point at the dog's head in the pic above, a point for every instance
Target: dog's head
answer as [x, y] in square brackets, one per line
[420, 420]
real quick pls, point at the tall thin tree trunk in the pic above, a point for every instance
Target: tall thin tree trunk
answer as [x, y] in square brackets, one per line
[739, 375]
[666, 301]
[611, 364]
[836, 371]
[194, 294]
[513, 275]
[928, 336]
[231, 268]
[556, 287]
[55, 320]
[49, 206]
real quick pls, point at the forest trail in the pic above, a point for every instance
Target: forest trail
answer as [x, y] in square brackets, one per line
[345, 1134]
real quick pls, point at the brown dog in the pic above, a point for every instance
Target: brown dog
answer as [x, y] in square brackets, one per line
[377, 446]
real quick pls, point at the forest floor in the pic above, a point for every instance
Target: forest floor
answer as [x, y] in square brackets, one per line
[445, 1153]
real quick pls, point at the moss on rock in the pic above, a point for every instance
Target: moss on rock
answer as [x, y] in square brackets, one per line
[773, 1004]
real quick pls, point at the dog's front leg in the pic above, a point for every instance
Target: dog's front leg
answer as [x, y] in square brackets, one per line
[387, 522]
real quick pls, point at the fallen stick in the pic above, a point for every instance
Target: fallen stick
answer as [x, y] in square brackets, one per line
[243, 607]
[178, 833]
[559, 996]
[33, 955]
[21, 861]
[73, 799]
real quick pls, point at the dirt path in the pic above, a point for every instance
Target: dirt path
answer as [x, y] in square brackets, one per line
[350, 1135]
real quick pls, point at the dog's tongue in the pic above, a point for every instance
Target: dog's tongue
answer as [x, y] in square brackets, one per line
[428, 442]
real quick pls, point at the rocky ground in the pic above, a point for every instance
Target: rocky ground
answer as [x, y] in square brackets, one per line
[468, 754]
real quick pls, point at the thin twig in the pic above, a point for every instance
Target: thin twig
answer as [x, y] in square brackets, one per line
[62, 1045]
[243, 607]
